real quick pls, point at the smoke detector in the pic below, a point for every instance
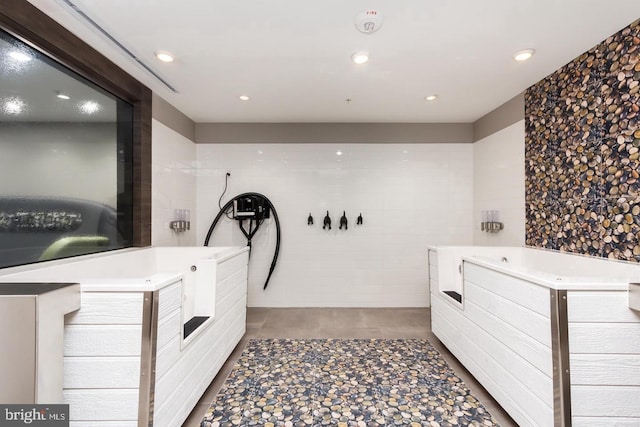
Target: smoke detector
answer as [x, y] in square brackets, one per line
[369, 21]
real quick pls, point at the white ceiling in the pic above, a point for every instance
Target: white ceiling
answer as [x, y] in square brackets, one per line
[292, 57]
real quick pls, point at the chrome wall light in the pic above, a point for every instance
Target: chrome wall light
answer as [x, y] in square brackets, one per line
[181, 221]
[490, 221]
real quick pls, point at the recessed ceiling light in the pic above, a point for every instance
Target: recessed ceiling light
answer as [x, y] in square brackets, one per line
[360, 57]
[63, 96]
[244, 98]
[523, 55]
[89, 107]
[164, 56]
[19, 56]
[431, 97]
[338, 153]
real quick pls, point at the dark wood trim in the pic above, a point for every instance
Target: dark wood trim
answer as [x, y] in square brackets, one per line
[142, 173]
[35, 28]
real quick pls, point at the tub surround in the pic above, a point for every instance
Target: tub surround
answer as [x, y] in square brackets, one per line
[569, 277]
[31, 326]
[549, 335]
[581, 153]
[498, 184]
[126, 357]
[173, 179]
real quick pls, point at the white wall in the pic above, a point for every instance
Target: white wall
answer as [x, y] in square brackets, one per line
[498, 184]
[173, 184]
[410, 196]
[75, 160]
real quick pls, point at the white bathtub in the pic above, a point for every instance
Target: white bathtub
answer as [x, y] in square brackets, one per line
[550, 336]
[126, 357]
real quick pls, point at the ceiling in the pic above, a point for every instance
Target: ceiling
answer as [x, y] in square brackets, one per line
[293, 57]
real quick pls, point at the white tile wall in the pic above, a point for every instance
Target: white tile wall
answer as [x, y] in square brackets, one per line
[173, 185]
[498, 181]
[410, 196]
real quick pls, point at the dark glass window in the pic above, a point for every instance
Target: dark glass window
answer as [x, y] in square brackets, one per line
[66, 166]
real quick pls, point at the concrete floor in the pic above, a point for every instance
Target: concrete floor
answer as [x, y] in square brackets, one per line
[343, 323]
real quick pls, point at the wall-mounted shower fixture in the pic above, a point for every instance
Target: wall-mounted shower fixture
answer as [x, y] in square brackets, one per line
[255, 208]
[327, 222]
[250, 207]
[490, 221]
[181, 220]
[344, 221]
[359, 220]
[310, 219]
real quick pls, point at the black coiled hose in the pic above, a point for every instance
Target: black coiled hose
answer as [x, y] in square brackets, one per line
[275, 217]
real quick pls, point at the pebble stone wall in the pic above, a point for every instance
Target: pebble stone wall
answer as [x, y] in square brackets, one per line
[582, 158]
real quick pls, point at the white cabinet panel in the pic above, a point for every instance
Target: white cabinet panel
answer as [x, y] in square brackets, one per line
[102, 340]
[89, 405]
[108, 308]
[101, 372]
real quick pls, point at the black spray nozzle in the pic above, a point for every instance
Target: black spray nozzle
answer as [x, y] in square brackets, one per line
[343, 220]
[327, 222]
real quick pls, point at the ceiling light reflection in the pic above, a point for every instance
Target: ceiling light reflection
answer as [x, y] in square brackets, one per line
[13, 106]
[19, 56]
[89, 107]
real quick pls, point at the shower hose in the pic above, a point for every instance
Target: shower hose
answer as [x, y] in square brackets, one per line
[249, 234]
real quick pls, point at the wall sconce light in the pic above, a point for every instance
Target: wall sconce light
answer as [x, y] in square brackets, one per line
[181, 220]
[490, 221]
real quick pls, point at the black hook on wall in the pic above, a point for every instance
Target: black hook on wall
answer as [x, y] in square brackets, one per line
[327, 221]
[343, 220]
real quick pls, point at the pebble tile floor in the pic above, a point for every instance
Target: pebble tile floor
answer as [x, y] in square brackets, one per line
[294, 363]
